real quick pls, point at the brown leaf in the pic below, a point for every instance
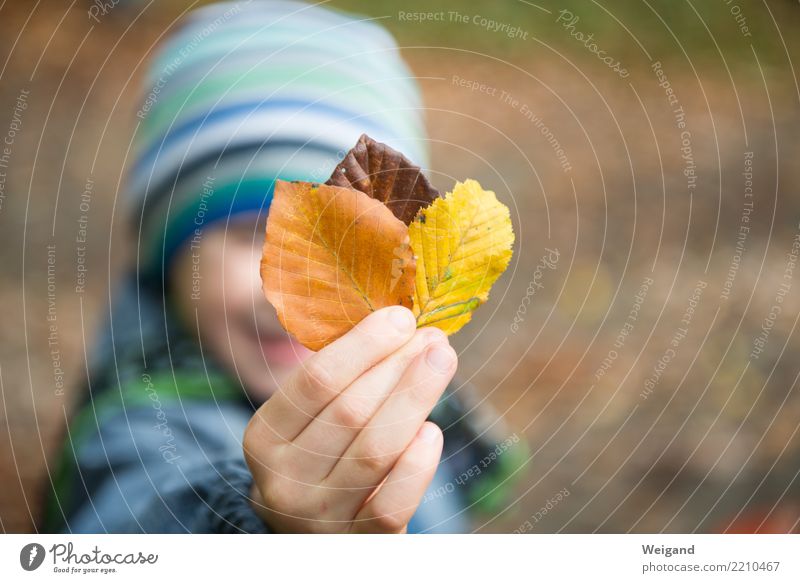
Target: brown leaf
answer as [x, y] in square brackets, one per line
[386, 175]
[332, 255]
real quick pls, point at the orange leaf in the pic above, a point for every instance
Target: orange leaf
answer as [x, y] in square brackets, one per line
[332, 255]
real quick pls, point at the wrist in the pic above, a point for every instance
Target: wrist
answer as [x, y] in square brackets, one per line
[257, 503]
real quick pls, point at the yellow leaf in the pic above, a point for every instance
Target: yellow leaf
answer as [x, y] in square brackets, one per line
[331, 256]
[462, 244]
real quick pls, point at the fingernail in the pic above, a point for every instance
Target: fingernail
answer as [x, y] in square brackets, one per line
[440, 357]
[402, 319]
[428, 433]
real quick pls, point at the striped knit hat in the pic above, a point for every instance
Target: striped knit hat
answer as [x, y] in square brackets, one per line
[251, 91]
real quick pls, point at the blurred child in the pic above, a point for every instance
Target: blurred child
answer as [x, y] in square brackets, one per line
[201, 413]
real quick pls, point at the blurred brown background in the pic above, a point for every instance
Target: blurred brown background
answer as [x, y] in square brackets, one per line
[670, 427]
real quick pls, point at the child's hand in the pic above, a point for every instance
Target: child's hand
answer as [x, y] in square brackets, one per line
[344, 445]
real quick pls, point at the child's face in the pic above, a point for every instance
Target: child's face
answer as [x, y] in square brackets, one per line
[218, 291]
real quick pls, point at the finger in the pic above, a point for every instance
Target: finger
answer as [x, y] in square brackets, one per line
[367, 460]
[328, 436]
[390, 509]
[321, 377]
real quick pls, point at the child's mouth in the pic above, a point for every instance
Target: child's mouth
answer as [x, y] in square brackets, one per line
[282, 350]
